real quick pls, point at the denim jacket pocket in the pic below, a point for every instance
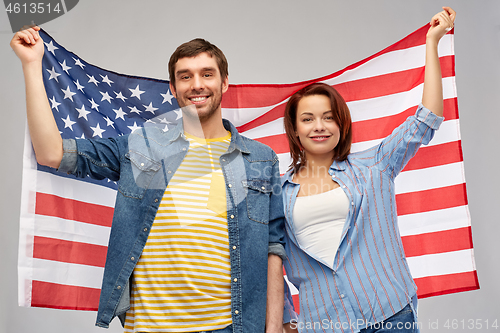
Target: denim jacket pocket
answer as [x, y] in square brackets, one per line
[258, 192]
[143, 169]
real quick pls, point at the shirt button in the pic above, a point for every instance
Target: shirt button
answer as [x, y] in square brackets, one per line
[142, 164]
[352, 203]
[230, 185]
[119, 287]
[343, 186]
[234, 247]
[145, 229]
[263, 188]
[232, 216]
[132, 258]
[333, 176]
[223, 160]
[236, 311]
[183, 149]
[169, 171]
[342, 295]
[156, 200]
[235, 280]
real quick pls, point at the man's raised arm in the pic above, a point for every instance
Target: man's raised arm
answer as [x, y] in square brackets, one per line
[45, 137]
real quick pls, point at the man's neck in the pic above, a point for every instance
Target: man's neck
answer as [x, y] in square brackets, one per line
[212, 128]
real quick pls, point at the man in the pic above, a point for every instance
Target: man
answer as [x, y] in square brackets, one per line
[197, 237]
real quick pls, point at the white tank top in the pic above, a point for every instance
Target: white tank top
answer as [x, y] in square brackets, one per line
[318, 222]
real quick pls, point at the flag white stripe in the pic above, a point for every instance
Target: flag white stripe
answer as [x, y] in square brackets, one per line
[434, 221]
[447, 133]
[69, 230]
[392, 62]
[442, 263]
[67, 274]
[75, 189]
[429, 178]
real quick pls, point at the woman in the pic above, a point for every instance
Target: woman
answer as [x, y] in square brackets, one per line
[344, 249]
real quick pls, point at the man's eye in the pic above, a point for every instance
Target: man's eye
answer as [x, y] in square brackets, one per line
[207, 75]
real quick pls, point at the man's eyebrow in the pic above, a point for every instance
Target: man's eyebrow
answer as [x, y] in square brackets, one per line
[204, 69]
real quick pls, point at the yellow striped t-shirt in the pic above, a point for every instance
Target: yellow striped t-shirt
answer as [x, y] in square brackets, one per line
[182, 281]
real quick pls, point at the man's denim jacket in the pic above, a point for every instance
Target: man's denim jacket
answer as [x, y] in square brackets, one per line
[143, 163]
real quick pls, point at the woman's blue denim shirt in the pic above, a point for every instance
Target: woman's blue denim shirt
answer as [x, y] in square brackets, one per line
[143, 163]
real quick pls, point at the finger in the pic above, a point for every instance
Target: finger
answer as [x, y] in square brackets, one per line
[444, 20]
[32, 31]
[23, 37]
[447, 21]
[451, 13]
[27, 34]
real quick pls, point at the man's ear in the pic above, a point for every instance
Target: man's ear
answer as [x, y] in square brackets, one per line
[225, 84]
[172, 89]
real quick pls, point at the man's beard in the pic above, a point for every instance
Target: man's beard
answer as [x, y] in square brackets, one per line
[191, 111]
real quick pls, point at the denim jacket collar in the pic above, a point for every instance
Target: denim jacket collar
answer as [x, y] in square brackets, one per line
[236, 139]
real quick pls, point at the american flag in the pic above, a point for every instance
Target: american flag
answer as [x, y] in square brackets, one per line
[65, 222]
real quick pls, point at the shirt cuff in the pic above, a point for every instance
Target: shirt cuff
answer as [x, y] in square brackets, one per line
[277, 249]
[69, 159]
[427, 117]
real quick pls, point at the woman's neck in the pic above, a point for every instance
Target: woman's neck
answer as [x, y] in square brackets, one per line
[318, 166]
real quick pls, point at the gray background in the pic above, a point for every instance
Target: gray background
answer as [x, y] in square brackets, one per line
[270, 42]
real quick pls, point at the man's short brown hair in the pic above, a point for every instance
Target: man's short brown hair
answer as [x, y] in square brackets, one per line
[192, 49]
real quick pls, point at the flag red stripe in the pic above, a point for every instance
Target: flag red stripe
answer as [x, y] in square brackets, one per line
[432, 156]
[58, 296]
[252, 95]
[429, 200]
[372, 129]
[388, 84]
[371, 87]
[446, 284]
[438, 242]
[53, 205]
[68, 251]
